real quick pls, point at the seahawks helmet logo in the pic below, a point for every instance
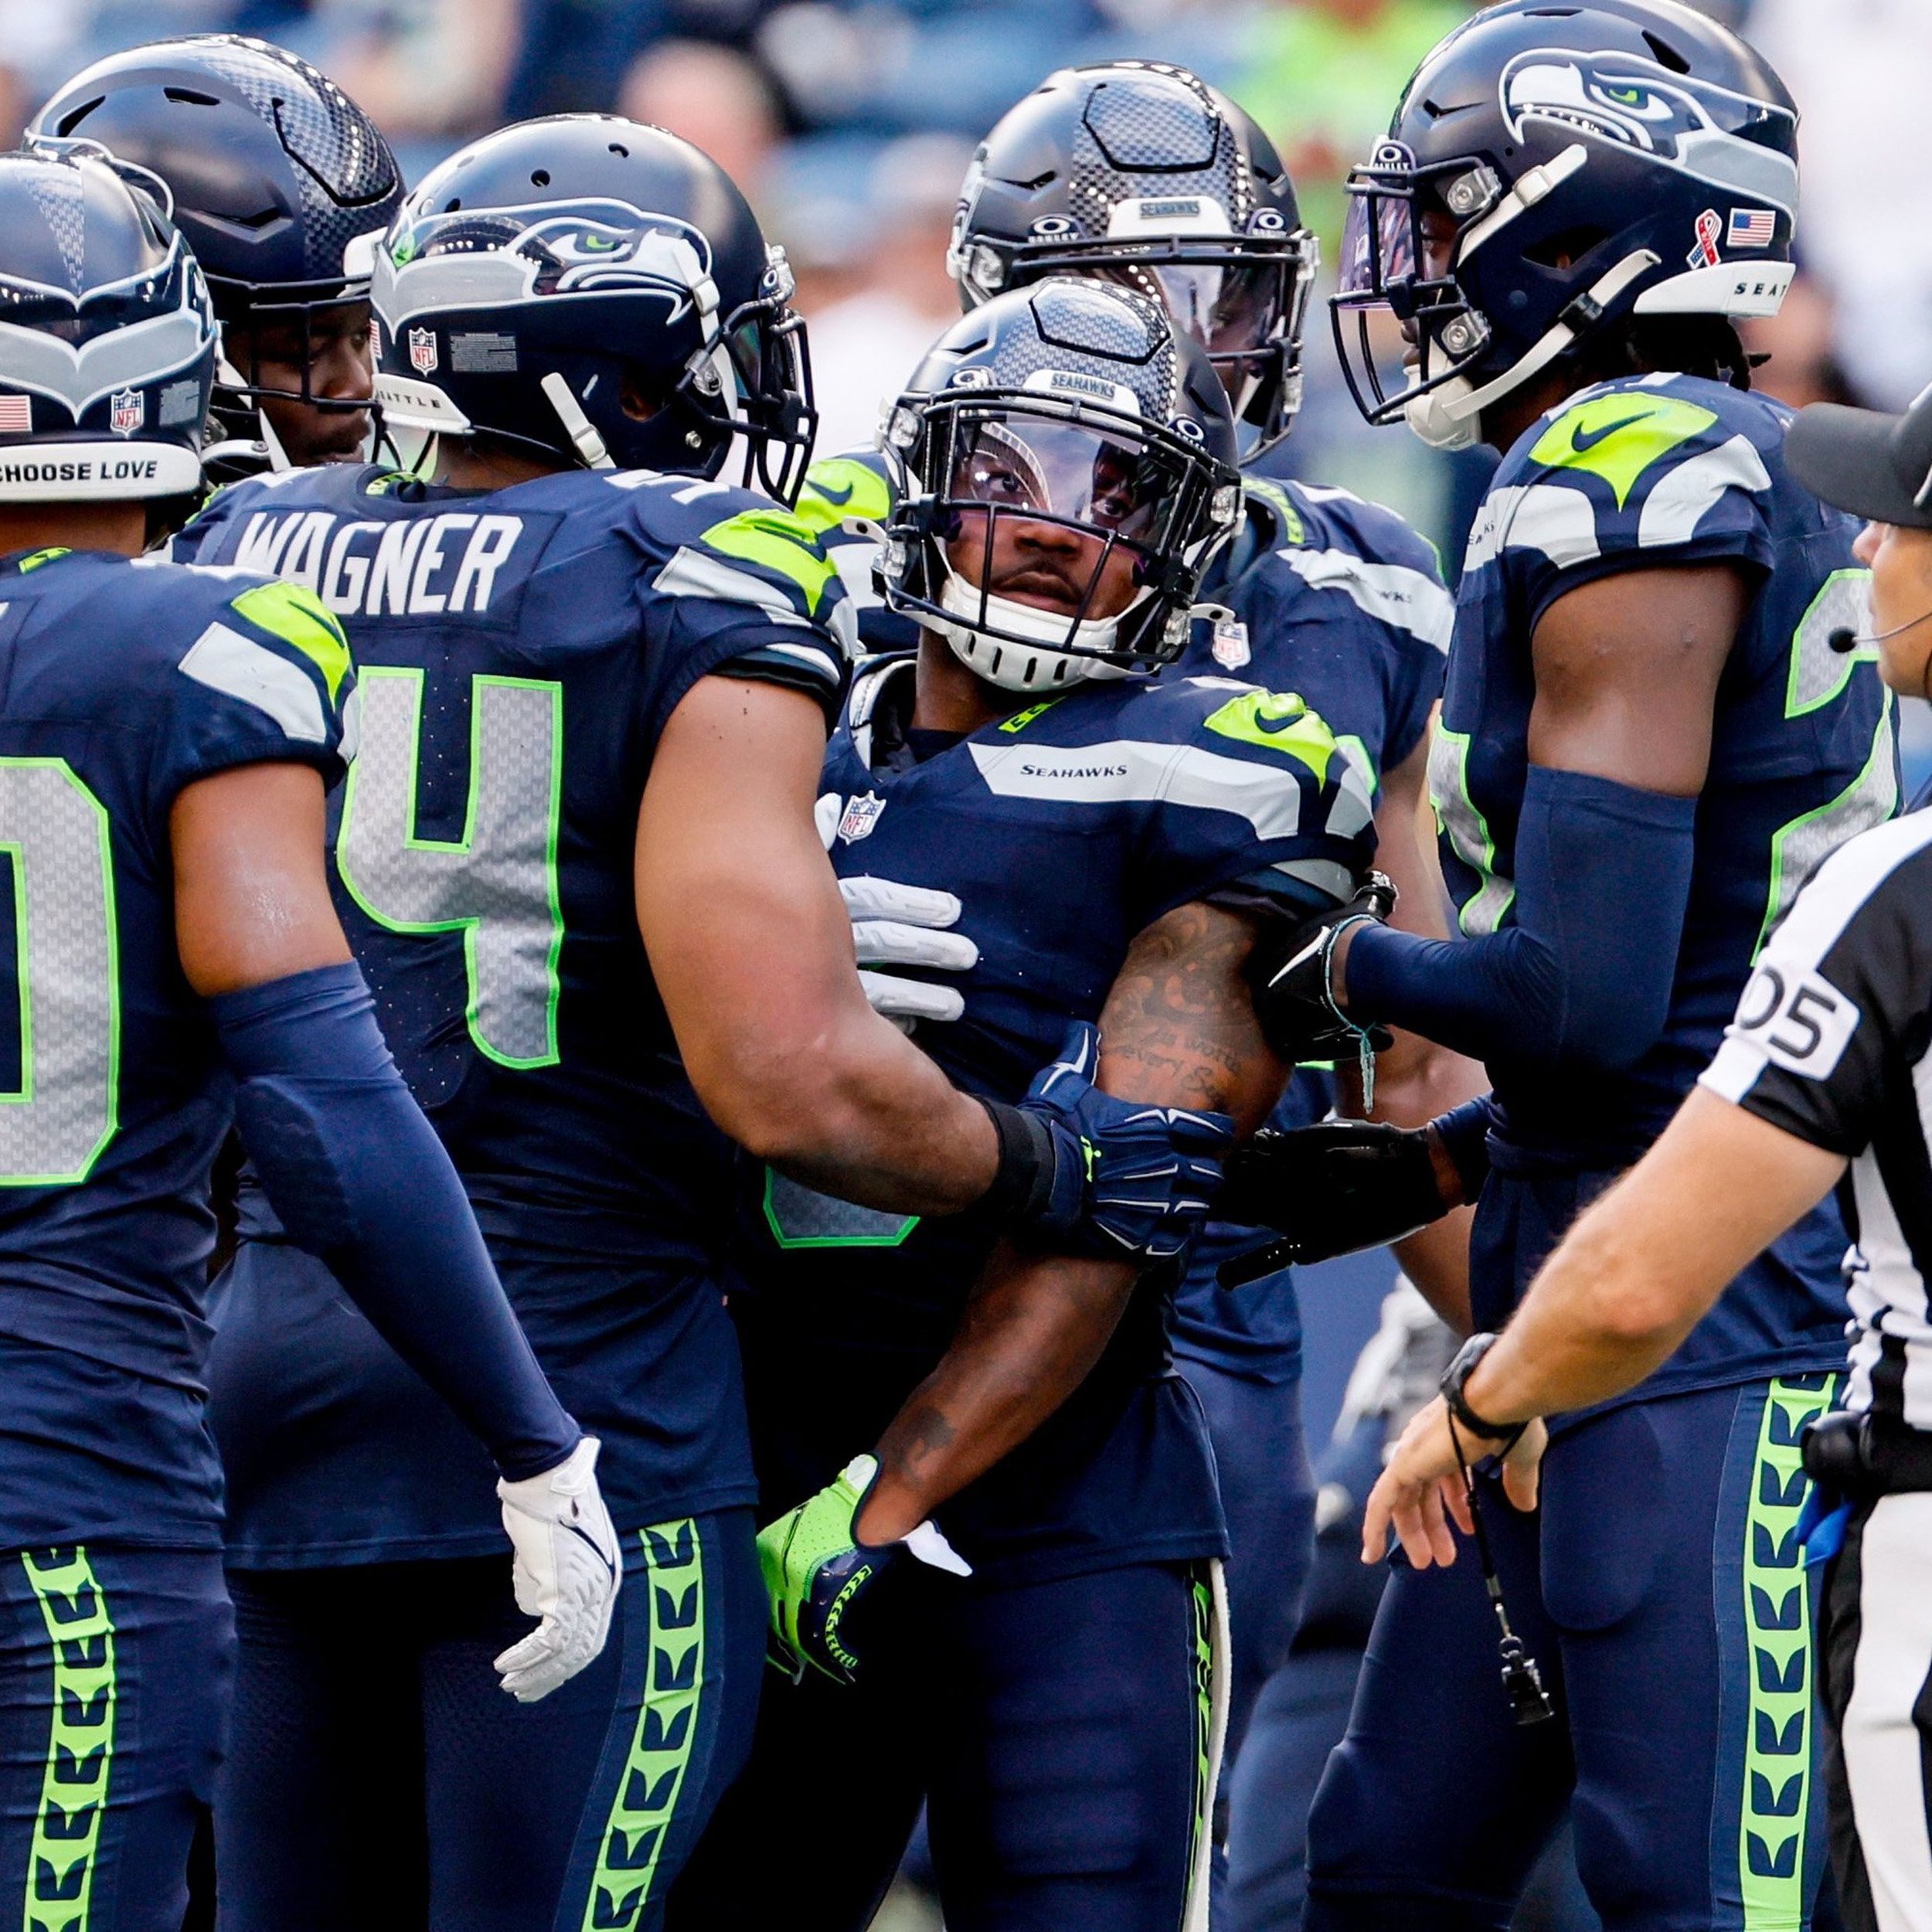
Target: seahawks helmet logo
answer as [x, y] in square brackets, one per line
[1671, 117]
[552, 248]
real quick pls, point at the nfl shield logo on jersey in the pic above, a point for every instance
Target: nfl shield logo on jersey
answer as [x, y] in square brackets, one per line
[126, 410]
[423, 349]
[1230, 645]
[862, 813]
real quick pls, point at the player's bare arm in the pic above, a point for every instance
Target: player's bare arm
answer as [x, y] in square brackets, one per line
[762, 988]
[1177, 1030]
[251, 901]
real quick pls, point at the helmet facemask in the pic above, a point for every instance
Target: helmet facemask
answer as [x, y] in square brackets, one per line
[1243, 298]
[1048, 541]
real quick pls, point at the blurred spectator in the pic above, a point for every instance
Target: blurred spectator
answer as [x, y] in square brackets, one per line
[1857, 69]
[1323, 76]
[1801, 344]
[716, 98]
[864, 348]
[429, 73]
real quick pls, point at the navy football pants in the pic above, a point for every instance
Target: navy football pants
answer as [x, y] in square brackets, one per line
[1267, 1493]
[114, 1667]
[380, 1779]
[1660, 1588]
[1055, 1729]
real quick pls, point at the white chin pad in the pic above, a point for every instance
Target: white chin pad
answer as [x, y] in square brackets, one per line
[1436, 418]
[1015, 662]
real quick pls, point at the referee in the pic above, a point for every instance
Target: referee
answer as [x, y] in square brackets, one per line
[1824, 1079]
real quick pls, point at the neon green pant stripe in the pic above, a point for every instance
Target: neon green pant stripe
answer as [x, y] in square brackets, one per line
[646, 1801]
[80, 1742]
[1204, 1711]
[1777, 1623]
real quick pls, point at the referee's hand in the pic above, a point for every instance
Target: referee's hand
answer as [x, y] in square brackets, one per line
[1420, 1494]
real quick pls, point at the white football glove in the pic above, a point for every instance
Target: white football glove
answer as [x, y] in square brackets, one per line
[894, 925]
[568, 1568]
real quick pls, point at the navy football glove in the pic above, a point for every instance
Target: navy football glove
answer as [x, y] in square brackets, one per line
[1333, 1188]
[1100, 1175]
[1293, 997]
[818, 1573]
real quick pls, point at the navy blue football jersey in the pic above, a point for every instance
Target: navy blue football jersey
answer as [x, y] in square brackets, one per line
[1065, 830]
[522, 651]
[1329, 597]
[120, 683]
[1639, 473]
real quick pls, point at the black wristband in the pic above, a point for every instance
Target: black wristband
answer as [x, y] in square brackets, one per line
[1023, 1182]
[1456, 1374]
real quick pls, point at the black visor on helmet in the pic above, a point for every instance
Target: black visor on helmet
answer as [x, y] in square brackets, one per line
[1243, 298]
[1014, 502]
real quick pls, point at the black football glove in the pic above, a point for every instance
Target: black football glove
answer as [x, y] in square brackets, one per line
[1289, 974]
[1334, 1188]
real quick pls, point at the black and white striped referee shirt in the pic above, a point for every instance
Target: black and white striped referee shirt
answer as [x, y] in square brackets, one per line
[1830, 1044]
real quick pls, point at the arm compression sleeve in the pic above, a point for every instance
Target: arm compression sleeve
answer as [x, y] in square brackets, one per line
[359, 1177]
[1582, 975]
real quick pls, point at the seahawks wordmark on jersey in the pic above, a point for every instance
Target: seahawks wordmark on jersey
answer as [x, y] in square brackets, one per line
[1065, 830]
[1329, 597]
[523, 650]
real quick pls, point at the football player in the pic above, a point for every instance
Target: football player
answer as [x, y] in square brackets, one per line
[1096, 844]
[281, 185]
[1650, 736]
[1140, 175]
[166, 734]
[596, 686]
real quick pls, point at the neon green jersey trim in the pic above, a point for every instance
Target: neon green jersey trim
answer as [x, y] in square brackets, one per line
[80, 1741]
[1278, 721]
[300, 618]
[1618, 437]
[840, 487]
[781, 543]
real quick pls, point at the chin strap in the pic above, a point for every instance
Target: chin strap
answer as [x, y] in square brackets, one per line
[581, 430]
[1450, 417]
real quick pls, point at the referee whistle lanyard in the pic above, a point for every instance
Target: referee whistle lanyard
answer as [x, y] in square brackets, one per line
[1522, 1681]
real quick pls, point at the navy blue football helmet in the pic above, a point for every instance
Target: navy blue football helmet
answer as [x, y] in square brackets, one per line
[1575, 165]
[281, 183]
[1140, 172]
[107, 338]
[1062, 449]
[598, 291]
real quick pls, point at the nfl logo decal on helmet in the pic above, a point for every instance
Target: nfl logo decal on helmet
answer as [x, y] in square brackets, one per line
[108, 342]
[279, 183]
[1573, 161]
[606, 296]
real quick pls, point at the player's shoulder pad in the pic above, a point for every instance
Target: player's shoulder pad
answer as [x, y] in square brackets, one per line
[1329, 539]
[1638, 463]
[852, 488]
[724, 545]
[261, 641]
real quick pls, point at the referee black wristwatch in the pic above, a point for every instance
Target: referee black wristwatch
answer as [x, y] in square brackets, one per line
[1458, 1372]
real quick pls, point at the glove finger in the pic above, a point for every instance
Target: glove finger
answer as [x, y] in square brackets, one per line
[870, 898]
[884, 942]
[825, 814]
[910, 998]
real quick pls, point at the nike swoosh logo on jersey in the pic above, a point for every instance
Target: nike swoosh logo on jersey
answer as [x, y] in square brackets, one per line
[1582, 439]
[837, 498]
